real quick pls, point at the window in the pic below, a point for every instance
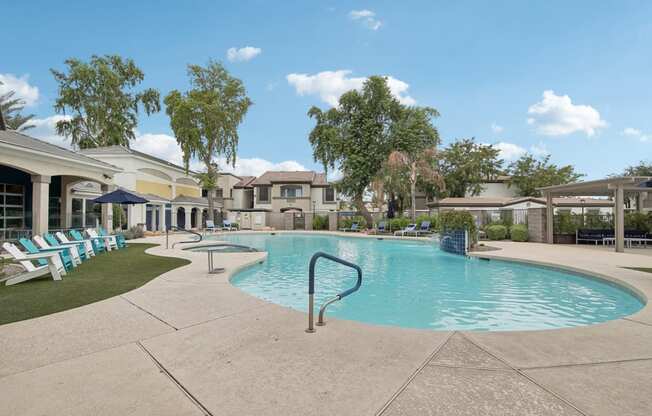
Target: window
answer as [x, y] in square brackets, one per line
[12, 209]
[291, 191]
[329, 194]
[263, 194]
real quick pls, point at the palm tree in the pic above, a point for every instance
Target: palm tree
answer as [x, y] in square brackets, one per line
[11, 109]
[419, 167]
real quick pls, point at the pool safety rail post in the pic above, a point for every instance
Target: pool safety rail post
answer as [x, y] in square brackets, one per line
[174, 227]
[339, 296]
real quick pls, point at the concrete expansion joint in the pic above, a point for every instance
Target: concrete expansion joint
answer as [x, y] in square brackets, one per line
[628, 360]
[176, 382]
[409, 380]
[636, 321]
[148, 313]
[520, 372]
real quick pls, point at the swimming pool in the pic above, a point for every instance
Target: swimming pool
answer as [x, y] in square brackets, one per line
[416, 285]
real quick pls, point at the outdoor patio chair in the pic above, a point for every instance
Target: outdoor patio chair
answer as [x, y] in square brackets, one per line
[110, 242]
[31, 271]
[86, 245]
[76, 249]
[228, 225]
[97, 243]
[70, 251]
[411, 228]
[119, 238]
[354, 228]
[63, 260]
[382, 227]
[424, 228]
[210, 226]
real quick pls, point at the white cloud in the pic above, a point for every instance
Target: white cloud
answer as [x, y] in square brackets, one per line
[556, 115]
[509, 151]
[496, 128]
[539, 150]
[330, 85]
[44, 129]
[165, 147]
[21, 86]
[256, 166]
[242, 54]
[367, 18]
[632, 132]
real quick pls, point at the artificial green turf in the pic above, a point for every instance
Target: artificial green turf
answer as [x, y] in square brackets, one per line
[641, 269]
[101, 277]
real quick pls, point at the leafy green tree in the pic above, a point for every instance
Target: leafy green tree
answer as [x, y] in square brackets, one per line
[642, 169]
[529, 173]
[205, 120]
[356, 136]
[99, 98]
[11, 109]
[415, 140]
[465, 165]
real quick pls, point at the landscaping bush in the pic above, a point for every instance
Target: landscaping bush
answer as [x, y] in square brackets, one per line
[496, 232]
[133, 232]
[434, 221]
[346, 222]
[320, 222]
[566, 223]
[458, 220]
[519, 232]
[638, 221]
[398, 223]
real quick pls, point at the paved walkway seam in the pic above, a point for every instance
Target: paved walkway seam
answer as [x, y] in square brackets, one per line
[414, 374]
[636, 321]
[530, 379]
[180, 386]
[149, 313]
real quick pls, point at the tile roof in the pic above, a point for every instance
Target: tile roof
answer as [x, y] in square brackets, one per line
[22, 140]
[245, 182]
[306, 176]
[117, 150]
[507, 201]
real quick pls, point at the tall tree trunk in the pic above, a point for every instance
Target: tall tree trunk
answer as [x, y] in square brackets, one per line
[211, 191]
[359, 204]
[413, 189]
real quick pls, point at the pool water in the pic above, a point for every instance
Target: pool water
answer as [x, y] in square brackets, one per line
[416, 285]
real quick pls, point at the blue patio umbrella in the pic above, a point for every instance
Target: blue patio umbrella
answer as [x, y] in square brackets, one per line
[120, 196]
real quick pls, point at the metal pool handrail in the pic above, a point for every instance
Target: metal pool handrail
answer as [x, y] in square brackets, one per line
[339, 296]
[167, 230]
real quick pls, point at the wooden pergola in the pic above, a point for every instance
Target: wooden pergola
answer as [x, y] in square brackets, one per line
[615, 187]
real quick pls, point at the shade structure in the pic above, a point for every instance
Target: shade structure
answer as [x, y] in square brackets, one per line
[120, 196]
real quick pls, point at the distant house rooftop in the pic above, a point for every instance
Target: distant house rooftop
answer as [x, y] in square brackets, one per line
[501, 202]
[271, 177]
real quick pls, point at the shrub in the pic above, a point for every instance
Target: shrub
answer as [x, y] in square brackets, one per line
[519, 232]
[133, 232]
[458, 220]
[320, 222]
[566, 223]
[398, 223]
[496, 232]
[346, 222]
[638, 221]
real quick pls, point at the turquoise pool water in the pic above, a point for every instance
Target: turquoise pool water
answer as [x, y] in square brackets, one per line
[413, 284]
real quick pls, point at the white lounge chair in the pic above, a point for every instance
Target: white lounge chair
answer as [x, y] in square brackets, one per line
[411, 228]
[41, 243]
[110, 241]
[32, 271]
[210, 225]
[88, 244]
[228, 226]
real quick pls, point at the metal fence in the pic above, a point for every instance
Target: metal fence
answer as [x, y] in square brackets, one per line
[568, 223]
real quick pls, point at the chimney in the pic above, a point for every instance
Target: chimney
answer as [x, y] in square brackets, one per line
[3, 125]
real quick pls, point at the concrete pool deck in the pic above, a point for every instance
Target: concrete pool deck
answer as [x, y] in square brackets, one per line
[190, 343]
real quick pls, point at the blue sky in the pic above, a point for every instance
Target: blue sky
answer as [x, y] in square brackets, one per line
[573, 79]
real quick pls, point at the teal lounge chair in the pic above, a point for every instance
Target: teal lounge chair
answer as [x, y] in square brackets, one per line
[64, 254]
[52, 241]
[119, 238]
[98, 243]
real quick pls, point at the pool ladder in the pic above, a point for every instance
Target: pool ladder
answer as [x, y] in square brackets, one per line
[339, 296]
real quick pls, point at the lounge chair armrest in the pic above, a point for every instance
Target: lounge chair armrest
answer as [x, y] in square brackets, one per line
[37, 256]
[53, 249]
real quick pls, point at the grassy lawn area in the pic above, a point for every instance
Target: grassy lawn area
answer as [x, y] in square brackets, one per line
[104, 276]
[641, 269]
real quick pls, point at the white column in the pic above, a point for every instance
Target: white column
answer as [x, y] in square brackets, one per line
[188, 212]
[40, 203]
[161, 218]
[619, 219]
[107, 210]
[198, 217]
[174, 216]
[550, 216]
[66, 201]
